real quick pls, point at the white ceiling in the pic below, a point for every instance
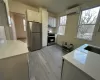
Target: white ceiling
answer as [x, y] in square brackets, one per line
[54, 6]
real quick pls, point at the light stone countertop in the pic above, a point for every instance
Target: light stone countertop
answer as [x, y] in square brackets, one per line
[11, 48]
[86, 61]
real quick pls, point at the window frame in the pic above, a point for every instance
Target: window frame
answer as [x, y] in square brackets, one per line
[87, 24]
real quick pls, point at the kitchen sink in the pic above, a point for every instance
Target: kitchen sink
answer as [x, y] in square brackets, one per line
[93, 49]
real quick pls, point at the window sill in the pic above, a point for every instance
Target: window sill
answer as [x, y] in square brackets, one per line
[84, 39]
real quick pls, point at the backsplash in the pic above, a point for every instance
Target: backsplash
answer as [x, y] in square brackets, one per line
[51, 30]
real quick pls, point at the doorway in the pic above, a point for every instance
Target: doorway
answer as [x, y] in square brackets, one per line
[18, 26]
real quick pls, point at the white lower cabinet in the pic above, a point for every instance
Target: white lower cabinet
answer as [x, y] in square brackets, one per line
[14, 68]
[70, 72]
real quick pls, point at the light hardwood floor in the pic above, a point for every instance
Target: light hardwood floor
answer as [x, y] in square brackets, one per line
[45, 64]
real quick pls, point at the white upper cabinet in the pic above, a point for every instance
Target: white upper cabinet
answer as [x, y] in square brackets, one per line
[52, 21]
[33, 16]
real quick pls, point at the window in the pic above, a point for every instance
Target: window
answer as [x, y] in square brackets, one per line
[24, 23]
[87, 23]
[63, 20]
[62, 25]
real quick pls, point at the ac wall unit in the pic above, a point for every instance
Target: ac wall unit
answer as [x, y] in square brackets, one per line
[73, 10]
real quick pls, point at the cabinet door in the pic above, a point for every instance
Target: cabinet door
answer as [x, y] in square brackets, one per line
[33, 16]
[52, 21]
[70, 72]
[14, 68]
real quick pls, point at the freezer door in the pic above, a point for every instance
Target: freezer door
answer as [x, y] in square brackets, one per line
[36, 41]
[36, 27]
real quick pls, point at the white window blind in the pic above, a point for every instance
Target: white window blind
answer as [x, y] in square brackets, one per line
[62, 25]
[87, 23]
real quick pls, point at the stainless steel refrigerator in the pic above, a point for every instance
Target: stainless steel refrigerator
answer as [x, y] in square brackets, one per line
[34, 35]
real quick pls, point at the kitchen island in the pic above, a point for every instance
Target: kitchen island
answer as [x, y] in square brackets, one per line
[13, 60]
[81, 64]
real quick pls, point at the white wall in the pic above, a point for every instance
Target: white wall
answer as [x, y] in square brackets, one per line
[44, 15]
[13, 31]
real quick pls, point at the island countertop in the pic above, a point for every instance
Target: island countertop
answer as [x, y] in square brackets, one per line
[11, 48]
[86, 61]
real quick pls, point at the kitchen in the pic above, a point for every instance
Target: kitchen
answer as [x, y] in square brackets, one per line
[52, 29]
[44, 31]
